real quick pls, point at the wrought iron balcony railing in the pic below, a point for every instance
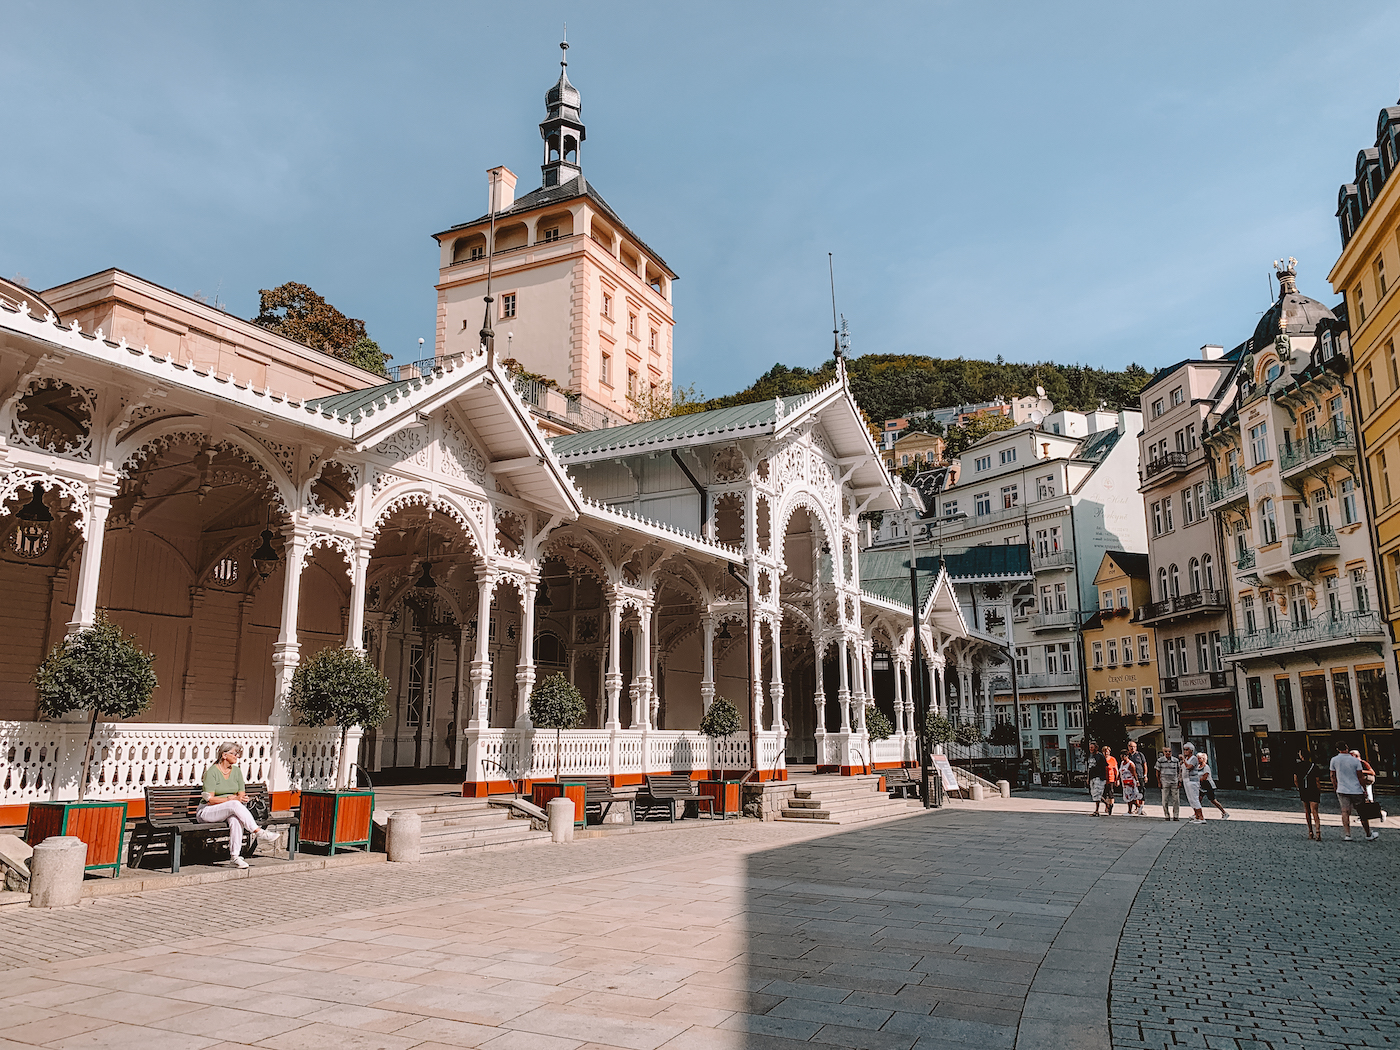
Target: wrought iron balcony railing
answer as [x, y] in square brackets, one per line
[1245, 559]
[1324, 630]
[1183, 603]
[1231, 487]
[1327, 440]
[1315, 539]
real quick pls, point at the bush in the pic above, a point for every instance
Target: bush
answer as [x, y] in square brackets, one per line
[557, 704]
[876, 724]
[1003, 735]
[97, 669]
[939, 728]
[1105, 724]
[340, 687]
[968, 733]
[721, 719]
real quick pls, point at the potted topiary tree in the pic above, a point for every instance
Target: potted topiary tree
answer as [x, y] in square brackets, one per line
[721, 720]
[338, 687]
[879, 728]
[939, 729]
[558, 705]
[97, 669]
[968, 734]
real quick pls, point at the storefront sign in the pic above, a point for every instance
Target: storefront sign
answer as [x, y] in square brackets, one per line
[945, 770]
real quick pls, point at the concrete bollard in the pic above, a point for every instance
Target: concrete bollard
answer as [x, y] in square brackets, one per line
[403, 837]
[978, 793]
[56, 872]
[561, 819]
[1004, 786]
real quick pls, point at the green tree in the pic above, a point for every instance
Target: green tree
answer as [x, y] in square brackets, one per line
[876, 724]
[968, 733]
[1003, 735]
[367, 355]
[1105, 725]
[98, 669]
[939, 728]
[722, 719]
[340, 687]
[557, 704]
[964, 436]
[297, 312]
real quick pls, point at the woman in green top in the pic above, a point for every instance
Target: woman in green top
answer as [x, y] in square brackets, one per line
[223, 800]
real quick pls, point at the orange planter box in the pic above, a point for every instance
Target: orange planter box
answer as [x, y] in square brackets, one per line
[336, 819]
[725, 793]
[100, 825]
[542, 794]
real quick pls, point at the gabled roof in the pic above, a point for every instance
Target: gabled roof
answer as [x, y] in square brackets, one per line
[886, 572]
[1135, 565]
[548, 195]
[1096, 447]
[757, 417]
[938, 603]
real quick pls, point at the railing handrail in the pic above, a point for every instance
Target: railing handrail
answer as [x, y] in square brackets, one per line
[1228, 486]
[1321, 629]
[1314, 538]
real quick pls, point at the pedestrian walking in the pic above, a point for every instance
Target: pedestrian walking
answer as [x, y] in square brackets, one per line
[1139, 761]
[1191, 780]
[1208, 787]
[1308, 779]
[1098, 775]
[1347, 773]
[1169, 778]
[1110, 784]
[1131, 784]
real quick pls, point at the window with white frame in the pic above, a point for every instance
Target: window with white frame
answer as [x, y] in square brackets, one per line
[605, 370]
[1157, 518]
[1147, 700]
[982, 463]
[1167, 522]
[1098, 655]
[1122, 597]
[1178, 396]
[1144, 649]
[1106, 599]
[983, 501]
[1045, 487]
[1008, 455]
[1074, 716]
[1047, 601]
[1010, 496]
[1349, 515]
[1158, 407]
[1061, 598]
[1023, 660]
[1130, 696]
[1361, 601]
[1251, 624]
[1188, 507]
[1113, 652]
[1268, 524]
[1202, 652]
[1201, 501]
[1049, 716]
[1259, 443]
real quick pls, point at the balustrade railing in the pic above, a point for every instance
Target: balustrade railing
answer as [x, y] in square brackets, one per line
[1047, 621]
[1332, 437]
[973, 752]
[1183, 603]
[1314, 539]
[1052, 559]
[521, 754]
[1232, 486]
[1244, 559]
[1172, 461]
[1324, 629]
[1043, 680]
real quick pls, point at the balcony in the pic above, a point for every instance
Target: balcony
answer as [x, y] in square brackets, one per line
[1245, 560]
[1195, 683]
[1329, 442]
[1313, 546]
[1165, 466]
[1230, 489]
[1060, 559]
[1342, 629]
[1183, 604]
[1041, 680]
[1054, 620]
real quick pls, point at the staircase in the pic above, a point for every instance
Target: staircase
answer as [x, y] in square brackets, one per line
[456, 825]
[842, 800]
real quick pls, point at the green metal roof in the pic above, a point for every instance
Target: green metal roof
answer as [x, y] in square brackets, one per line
[343, 405]
[634, 436]
[886, 572]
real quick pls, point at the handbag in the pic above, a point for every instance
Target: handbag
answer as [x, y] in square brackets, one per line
[1368, 810]
[1365, 776]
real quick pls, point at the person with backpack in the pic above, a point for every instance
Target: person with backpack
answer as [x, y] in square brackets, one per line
[1169, 778]
[1308, 779]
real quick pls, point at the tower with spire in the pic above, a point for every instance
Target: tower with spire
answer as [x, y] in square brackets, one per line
[575, 295]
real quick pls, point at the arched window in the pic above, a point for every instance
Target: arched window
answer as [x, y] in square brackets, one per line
[1268, 525]
[1162, 584]
[1195, 569]
[1208, 565]
[1176, 581]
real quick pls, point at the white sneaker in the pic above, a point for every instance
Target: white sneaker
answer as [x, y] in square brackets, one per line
[239, 862]
[1198, 820]
[1346, 838]
[267, 837]
[1373, 836]
[1225, 815]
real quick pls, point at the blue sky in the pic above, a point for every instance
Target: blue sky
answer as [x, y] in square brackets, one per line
[1091, 183]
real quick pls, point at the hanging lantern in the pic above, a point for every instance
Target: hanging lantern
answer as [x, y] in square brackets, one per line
[542, 600]
[265, 559]
[426, 581]
[35, 524]
[724, 634]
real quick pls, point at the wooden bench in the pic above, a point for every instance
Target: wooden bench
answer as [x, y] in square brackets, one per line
[598, 792]
[170, 816]
[903, 783]
[672, 788]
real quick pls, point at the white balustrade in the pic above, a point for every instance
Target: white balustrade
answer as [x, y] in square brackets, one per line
[28, 761]
[889, 751]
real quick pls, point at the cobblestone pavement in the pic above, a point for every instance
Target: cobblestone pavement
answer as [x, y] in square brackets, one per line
[991, 926]
[1246, 936]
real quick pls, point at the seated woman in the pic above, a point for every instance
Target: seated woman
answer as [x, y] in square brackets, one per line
[224, 798]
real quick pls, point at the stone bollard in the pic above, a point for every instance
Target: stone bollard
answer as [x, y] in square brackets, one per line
[403, 837]
[561, 819]
[978, 793]
[56, 872]
[1004, 786]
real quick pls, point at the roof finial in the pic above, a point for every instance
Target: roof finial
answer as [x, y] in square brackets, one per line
[835, 329]
[564, 48]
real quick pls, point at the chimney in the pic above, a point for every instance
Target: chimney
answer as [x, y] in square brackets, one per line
[1211, 352]
[500, 189]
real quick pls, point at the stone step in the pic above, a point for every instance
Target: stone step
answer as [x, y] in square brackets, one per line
[518, 832]
[808, 815]
[804, 803]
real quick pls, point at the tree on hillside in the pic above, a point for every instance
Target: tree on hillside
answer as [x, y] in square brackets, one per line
[297, 312]
[964, 436]
[654, 404]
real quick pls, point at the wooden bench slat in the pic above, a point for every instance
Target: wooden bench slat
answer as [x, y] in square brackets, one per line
[170, 815]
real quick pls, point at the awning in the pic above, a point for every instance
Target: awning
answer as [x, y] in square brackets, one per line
[1145, 731]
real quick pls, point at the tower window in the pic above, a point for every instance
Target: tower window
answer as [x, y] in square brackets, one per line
[631, 324]
[551, 234]
[605, 371]
[508, 305]
[653, 341]
[607, 305]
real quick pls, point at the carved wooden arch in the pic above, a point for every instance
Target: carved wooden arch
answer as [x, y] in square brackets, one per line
[407, 494]
[186, 429]
[227, 550]
[17, 483]
[306, 497]
[447, 594]
[587, 555]
[805, 499]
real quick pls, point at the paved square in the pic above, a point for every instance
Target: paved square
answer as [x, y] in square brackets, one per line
[984, 926]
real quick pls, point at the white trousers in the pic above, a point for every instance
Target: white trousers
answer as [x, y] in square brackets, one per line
[238, 817]
[1193, 792]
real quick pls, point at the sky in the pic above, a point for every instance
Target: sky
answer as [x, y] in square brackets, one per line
[1077, 182]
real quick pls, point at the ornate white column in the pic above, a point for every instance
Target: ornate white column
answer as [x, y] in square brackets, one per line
[707, 662]
[641, 664]
[843, 688]
[359, 568]
[755, 642]
[613, 678]
[525, 660]
[775, 686]
[820, 698]
[286, 652]
[899, 694]
[481, 662]
[90, 564]
[463, 698]
[654, 667]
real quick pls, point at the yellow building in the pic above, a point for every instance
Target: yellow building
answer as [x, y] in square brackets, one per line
[1368, 214]
[1119, 652]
